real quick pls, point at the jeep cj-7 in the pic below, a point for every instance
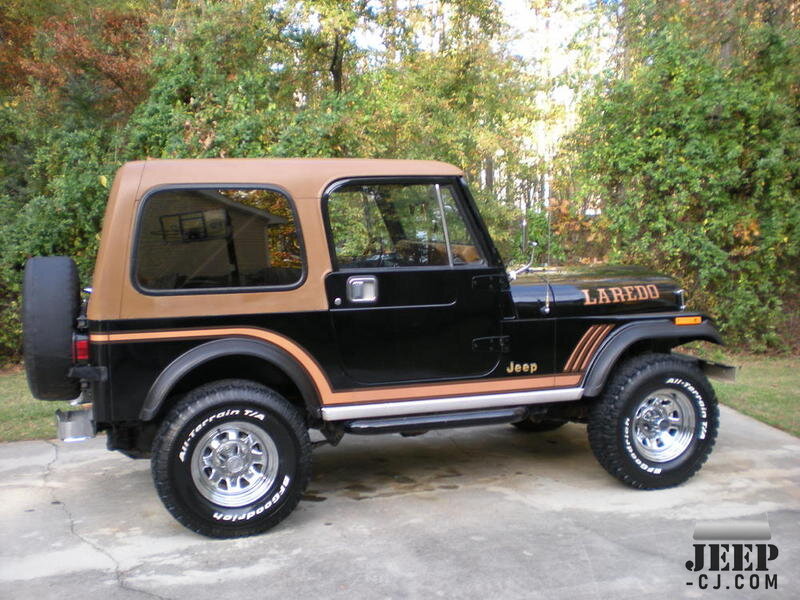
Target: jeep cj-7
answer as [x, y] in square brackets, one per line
[236, 304]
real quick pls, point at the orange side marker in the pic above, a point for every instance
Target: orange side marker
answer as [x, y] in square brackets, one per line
[688, 320]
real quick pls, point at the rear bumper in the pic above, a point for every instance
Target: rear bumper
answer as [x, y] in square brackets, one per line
[75, 425]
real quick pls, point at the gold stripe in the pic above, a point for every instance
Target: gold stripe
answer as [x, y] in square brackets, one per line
[588, 348]
[588, 344]
[442, 390]
[598, 340]
[571, 362]
[327, 394]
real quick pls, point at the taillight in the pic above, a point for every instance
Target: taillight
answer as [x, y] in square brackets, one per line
[80, 348]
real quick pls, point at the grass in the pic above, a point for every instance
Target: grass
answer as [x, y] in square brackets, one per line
[22, 417]
[767, 388]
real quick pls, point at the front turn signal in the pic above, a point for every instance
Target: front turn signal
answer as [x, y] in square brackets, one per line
[688, 320]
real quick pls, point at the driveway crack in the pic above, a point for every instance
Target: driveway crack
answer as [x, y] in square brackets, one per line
[119, 574]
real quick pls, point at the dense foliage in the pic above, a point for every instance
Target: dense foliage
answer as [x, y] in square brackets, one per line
[88, 87]
[690, 148]
[687, 147]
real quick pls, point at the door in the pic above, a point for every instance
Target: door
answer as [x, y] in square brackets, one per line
[412, 295]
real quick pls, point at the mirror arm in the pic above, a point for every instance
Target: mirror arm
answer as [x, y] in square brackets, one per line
[512, 275]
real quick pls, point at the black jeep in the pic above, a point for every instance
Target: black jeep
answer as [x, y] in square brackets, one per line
[236, 304]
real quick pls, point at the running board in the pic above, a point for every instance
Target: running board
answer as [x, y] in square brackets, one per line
[349, 412]
[440, 421]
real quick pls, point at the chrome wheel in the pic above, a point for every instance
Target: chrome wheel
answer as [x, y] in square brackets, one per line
[663, 425]
[234, 464]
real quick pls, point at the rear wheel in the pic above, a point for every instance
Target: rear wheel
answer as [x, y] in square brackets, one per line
[50, 304]
[656, 423]
[232, 459]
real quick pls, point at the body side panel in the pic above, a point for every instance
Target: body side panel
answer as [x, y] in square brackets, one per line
[582, 354]
[110, 275]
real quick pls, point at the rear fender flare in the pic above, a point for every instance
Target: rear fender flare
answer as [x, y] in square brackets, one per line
[623, 338]
[197, 356]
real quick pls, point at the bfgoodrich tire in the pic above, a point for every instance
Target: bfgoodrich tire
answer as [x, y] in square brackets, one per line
[231, 459]
[50, 304]
[656, 422]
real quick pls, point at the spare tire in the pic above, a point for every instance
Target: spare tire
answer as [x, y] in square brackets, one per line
[50, 305]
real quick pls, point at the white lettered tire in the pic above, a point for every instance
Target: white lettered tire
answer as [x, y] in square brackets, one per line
[656, 422]
[231, 459]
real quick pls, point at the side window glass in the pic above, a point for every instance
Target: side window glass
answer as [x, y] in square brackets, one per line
[462, 243]
[398, 225]
[217, 238]
[387, 225]
[360, 236]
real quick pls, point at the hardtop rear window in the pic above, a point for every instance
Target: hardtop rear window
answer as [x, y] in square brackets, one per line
[216, 239]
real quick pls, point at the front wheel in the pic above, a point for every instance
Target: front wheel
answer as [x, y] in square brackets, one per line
[231, 459]
[656, 423]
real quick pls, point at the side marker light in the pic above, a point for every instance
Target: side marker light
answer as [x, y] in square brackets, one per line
[688, 320]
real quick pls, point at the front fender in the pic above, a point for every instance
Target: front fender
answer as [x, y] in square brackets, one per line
[187, 362]
[627, 335]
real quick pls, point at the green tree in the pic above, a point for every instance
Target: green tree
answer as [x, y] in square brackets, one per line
[692, 152]
[100, 83]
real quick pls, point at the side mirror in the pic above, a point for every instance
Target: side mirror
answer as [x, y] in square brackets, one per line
[512, 275]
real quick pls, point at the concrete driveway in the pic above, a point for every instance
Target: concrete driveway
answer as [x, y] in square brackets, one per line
[477, 513]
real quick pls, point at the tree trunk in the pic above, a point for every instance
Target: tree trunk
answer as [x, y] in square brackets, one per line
[488, 165]
[337, 61]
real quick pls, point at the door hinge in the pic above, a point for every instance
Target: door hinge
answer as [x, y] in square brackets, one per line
[491, 283]
[498, 343]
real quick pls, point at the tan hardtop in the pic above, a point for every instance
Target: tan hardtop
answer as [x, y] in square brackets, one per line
[304, 179]
[301, 177]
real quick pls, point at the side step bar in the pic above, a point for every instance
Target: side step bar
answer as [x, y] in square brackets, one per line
[427, 406]
[437, 421]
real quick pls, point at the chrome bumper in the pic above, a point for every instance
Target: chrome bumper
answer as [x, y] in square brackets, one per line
[75, 425]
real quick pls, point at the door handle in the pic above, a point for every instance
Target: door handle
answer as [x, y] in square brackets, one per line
[362, 289]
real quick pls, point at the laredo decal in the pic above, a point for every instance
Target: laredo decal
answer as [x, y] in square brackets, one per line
[628, 293]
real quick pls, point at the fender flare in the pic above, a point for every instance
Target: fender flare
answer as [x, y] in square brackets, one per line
[627, 335]
[190, 360]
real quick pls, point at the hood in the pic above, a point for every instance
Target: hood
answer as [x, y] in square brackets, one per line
[594, 290]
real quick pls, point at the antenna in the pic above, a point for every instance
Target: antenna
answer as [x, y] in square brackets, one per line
[548, 211]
